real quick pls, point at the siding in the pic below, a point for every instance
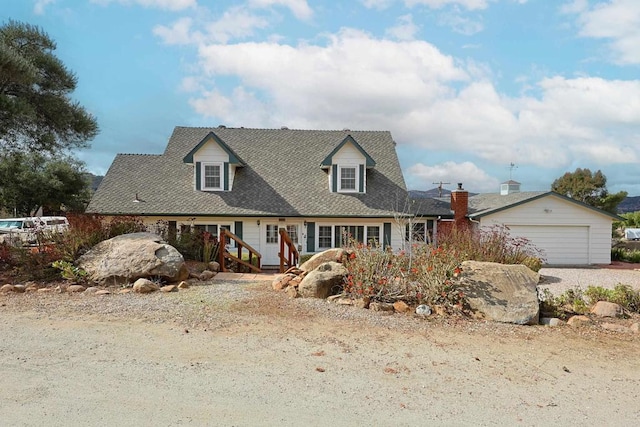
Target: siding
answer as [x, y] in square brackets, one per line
[564, 217]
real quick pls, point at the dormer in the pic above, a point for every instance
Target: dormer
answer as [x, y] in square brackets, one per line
[509, 187]
[215, 164]
[347, 165]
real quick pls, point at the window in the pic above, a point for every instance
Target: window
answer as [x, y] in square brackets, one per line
[292, 230]
[421, 231]
[347, 178]
[272, 233]
[211, 176]
[373, 234]
[324, 237]
[355, 232]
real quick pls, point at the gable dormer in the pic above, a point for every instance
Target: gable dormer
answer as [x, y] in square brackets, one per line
[347, 165]
[215, 164]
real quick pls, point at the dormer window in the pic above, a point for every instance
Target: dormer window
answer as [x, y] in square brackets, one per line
[346, 166]
[212, 176]
[348, 178]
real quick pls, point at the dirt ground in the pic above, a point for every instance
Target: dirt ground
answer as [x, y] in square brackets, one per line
[241, 354]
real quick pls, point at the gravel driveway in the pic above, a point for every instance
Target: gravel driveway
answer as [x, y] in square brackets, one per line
[558, 280]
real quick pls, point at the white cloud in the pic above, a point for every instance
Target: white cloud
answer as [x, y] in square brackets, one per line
[299, 8]
[178, 33]
[158, 4]
[617, 21]
[405, 29]
[460, 24]
[439, 4]
[469, 174]
[40, 5]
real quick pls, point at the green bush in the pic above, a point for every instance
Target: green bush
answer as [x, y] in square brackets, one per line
[576, 301]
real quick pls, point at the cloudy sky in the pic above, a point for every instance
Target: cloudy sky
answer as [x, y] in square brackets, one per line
[467, 87]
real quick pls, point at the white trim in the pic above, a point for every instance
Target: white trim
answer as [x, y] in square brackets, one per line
[356, 169]
[203, 168]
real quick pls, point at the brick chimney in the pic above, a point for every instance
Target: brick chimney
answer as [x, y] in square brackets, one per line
[460, 205]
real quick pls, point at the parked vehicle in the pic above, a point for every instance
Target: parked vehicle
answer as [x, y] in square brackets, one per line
[26, 230]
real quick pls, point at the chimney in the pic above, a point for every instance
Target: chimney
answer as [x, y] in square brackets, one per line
[460, 204]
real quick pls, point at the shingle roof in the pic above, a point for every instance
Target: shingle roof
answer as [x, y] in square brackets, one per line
[282, 177]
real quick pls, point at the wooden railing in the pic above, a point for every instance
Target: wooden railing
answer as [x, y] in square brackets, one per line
[223, 254]
[289, 255]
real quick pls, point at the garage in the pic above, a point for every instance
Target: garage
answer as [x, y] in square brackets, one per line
[562, 244]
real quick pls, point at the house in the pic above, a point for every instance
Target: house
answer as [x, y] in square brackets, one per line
[568, 232]
[315, 184]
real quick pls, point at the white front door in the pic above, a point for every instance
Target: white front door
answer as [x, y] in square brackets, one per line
[270, 240]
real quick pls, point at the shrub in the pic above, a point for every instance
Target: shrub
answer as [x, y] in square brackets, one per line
[576, 301]
[624, 295]
[625, 255]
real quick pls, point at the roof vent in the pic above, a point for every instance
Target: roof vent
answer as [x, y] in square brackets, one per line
[222, 127]
[346, 130]
[284, 128]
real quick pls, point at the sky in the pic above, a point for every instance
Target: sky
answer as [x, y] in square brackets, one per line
[472, 91]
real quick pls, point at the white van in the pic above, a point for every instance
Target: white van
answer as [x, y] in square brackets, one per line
[26, 230]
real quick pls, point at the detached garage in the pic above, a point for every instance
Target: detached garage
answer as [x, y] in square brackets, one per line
[569, 232]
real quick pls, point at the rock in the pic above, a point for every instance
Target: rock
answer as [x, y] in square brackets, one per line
[503, 293]
[330, 255]
[144, 286]
[214, 266]
[129, 257]
[45, 290]
[91, 290]
[380, 306]
[125, 291]
[31, 287]
[607, 309]
[183, 285]
[103, 292]
[169, 288]
[5, 289]
[423, 310]
[281, 281]
[75, 288]
[362, 302]
[401, 307]
[551, 321]
[206, 275]
[194, 275]
[578, 321]
[326, 280]
[615, 327]
[19, 288]
[292, 292]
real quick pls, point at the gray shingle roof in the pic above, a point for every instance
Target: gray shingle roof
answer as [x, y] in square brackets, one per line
[282, 177]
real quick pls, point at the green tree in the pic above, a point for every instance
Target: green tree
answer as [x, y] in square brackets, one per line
[36, 111]
[589, 188]
[34, 180]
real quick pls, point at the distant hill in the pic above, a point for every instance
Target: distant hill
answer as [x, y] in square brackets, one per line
[629, 204]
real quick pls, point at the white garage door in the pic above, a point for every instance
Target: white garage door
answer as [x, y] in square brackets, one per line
[562, 245]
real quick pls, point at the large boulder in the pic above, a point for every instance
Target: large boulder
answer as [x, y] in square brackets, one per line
[330, 255]
[326, 280]
[503, 293]
[126, 258]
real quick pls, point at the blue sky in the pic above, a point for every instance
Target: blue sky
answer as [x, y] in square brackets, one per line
[467, 87]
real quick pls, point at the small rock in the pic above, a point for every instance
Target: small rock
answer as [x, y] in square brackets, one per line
[578, 321]
[169, 288]
[615, 327]
[44, 290]
[344, 301]
[103, 292]
[401, 307]
[19, 288]
[551, 321]
[423, 310]
[5, 289]
[91, 290]
[292, 292]
[75, 288]
[607, 309]
[214, 266]
[183, 285]
[362, 302]
[145, 286]
[207, 275]
[278, 284]
[125, 291]
[380, 306]
[31, 287]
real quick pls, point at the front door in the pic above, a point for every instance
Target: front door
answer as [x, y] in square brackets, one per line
[271, 240]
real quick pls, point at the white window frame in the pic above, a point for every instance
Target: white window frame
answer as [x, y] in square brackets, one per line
[203, 176]
[356, 180]
[330, 227]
